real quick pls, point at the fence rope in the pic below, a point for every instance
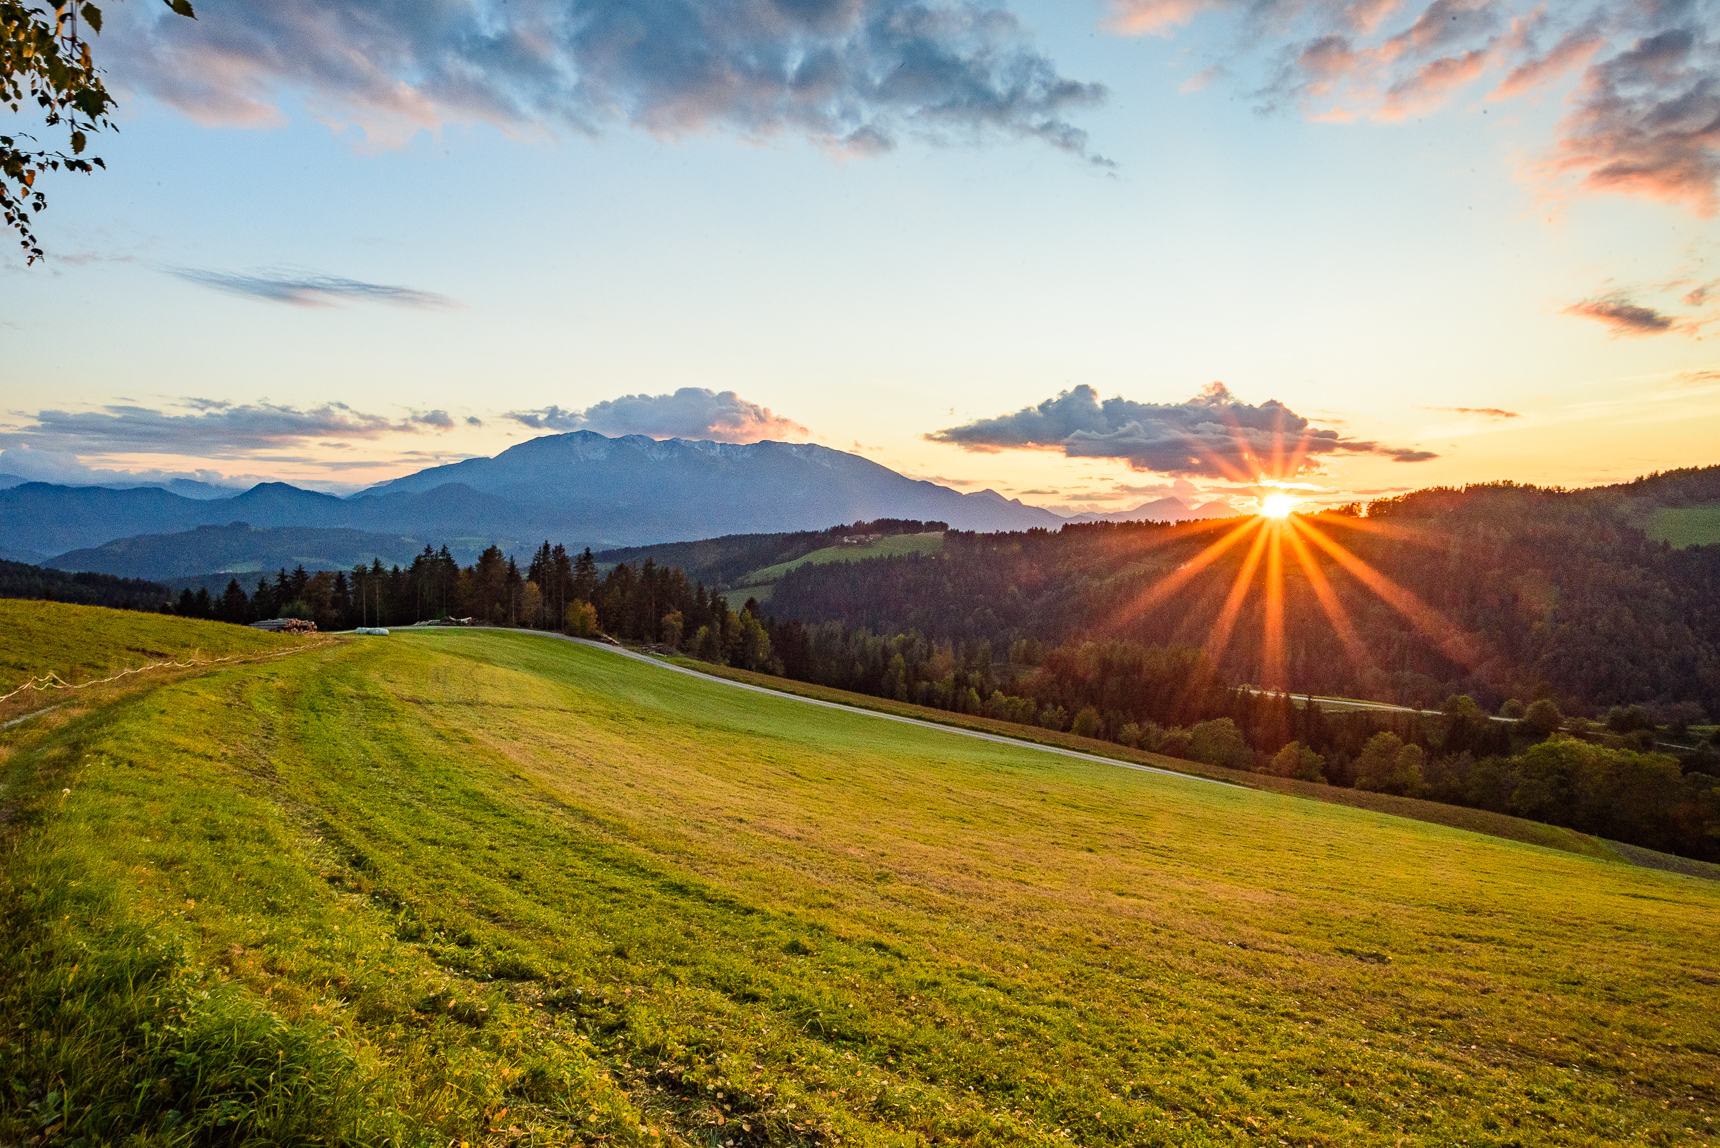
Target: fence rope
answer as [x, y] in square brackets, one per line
[52, 681]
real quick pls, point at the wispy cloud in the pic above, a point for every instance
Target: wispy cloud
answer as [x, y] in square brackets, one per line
[690, 413]
[300, 290]
[210, 429]
[1623, 317]
[1484, 412]
[1212, 435]
[854, 76]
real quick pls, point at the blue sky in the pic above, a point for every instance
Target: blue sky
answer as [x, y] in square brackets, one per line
[1368, 275]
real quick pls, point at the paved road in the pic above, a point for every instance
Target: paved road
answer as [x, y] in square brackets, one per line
[1014, 743]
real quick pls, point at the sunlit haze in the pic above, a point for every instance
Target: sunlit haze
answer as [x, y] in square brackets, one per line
[1409, 273]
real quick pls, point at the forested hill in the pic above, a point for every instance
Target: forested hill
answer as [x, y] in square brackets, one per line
[1532, 592]
[20, 580]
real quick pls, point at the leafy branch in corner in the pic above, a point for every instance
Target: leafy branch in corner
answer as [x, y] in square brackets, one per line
[45, 61]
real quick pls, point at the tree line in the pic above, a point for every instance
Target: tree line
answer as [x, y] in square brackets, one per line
[557, 590]
[1532, 761]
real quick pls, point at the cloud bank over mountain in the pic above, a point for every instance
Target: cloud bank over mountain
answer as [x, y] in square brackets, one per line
[1212, 435]
[853, 76]
[691, 413]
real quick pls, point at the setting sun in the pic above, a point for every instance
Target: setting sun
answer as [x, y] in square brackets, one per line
[1277, 506]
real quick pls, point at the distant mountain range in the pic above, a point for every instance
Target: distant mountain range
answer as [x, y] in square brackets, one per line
[239, 549]
[583, 489]
[1161, 510]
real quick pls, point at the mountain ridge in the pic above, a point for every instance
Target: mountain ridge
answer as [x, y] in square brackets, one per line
[581, 488]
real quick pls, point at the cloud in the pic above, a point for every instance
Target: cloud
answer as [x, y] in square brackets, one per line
[438, 420]
[1645, 114]
[311, 290]
[1623, 317]
[1212, 435]
[854, 76]
[1648, 122]
[212, 429]
[1702, 294]
[690, 413]
[1485, 412]
[40, 465]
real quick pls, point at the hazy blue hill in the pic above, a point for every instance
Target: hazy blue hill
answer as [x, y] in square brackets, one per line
[238, 548]
[46, 518]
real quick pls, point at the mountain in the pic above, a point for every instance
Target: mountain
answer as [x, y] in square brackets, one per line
[239, 548]
[634, 490]
[1168, 509]
[582, 489]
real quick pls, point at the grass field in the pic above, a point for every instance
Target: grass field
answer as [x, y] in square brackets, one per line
[1685, 525]
[486, 888]
[1453, 816]
[893, 546]
[76, 643]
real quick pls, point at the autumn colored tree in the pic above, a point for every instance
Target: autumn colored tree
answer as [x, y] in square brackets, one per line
[45, 61]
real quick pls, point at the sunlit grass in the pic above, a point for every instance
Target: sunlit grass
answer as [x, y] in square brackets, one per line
[440, 876]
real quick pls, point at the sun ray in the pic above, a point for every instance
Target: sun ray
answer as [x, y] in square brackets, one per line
[1273, 674]
[1456, 645]
[1354, 647]
[1177, 579]
[1301, 452]
[1219, 636]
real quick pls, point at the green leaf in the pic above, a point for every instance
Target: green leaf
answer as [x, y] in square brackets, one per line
[183, 7]
[93, 17]
[78, 142]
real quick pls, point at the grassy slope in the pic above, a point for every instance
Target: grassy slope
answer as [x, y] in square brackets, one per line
[1456, 817]
[79, 643]
[385, 890]
[1685, 525]
[893, 546]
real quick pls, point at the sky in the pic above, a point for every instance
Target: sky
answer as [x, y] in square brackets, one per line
[1084, 254]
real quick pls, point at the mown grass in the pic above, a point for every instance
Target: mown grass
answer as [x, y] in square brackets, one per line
[485, 887]
[894, 545]
[1454, 816]
[79, 643]
[1683, 526]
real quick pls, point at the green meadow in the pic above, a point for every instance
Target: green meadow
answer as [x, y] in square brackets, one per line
[760, 582]
[1683, 526]
[483, 887]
